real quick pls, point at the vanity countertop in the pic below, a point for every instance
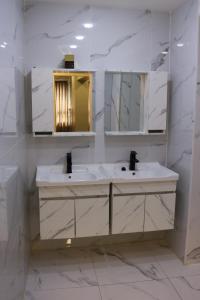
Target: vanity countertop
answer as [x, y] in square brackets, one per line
[103, 174]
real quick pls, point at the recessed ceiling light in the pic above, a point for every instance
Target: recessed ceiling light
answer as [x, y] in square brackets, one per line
[73, 46]
[79, 37]
[164, 52]
[180, 45]
[88, 25]
[5, 43]
[2, 46]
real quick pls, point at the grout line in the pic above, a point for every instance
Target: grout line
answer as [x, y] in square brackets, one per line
[174, 287]
[95, 275]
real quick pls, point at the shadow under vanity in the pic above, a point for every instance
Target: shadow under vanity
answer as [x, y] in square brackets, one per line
[102, 199]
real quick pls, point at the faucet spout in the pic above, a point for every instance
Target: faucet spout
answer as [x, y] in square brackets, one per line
[69, 162]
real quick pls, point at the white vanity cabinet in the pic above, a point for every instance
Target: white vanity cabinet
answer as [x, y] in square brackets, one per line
[92, 216]
[74, 211]
[156, 102]
[128, 214]
[106, 201]
[159, 212]
[143, 207]
[42, 100]
[57, 219]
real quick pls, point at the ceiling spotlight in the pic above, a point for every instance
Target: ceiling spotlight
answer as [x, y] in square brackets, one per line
[79, 37]
[73, 46]
[164, 52]
[88, 25]
[180, 45]
[5, 43]
[2, 46]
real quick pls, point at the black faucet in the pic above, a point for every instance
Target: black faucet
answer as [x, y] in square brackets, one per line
[133, 160]
[69, 162]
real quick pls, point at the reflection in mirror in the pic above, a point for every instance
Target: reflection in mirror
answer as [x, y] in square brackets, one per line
[124, 101]
[72, 101]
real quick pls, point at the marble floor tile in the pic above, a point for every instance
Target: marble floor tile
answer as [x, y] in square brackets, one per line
[140, 271]
[174, 267]
[61, 269]
[146, 290]
[84, 293]
[188, 287]
[125, 265]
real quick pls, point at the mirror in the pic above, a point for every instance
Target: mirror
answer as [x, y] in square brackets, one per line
[124, 101]
[72, 101]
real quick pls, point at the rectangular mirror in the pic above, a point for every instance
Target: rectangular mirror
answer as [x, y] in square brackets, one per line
[124, 101]
[72, 101]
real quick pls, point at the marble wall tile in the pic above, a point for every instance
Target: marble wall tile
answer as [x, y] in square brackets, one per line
[193, 240]
[14, 258]
[183, 78]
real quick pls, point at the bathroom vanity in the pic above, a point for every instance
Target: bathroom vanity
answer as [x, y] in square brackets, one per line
[96, 200]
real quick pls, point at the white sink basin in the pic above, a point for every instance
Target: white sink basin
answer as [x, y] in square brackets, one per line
[103, 173]
[144, 172]
[56, 175]
[77, 176]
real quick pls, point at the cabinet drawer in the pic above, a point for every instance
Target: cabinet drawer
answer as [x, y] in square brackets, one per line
[159, 212]
[128, 214]
[57, 219]
[92, 217]
[73, 191]
[147, 187]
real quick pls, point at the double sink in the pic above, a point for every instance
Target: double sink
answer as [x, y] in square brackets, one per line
[55, 175]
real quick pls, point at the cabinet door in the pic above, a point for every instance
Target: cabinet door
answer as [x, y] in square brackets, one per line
[157, 101]
[57, 219]
[42, 100]
[128, 214]
[92, 217]
[159, 212]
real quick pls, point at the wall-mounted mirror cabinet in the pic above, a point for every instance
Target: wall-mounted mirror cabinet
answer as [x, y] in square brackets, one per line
[62, 102]
[135, 103]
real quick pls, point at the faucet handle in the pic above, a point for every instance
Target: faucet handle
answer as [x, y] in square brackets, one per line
[133, 153]
[69, 154]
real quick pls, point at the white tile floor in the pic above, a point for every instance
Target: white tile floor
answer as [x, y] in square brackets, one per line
[142, 271]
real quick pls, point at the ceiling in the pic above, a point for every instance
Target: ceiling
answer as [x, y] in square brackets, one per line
[157, 5]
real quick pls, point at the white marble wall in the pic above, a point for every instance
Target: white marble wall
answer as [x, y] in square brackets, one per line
[128, 40]
[182, 103]
[13, 150]
[193, 237]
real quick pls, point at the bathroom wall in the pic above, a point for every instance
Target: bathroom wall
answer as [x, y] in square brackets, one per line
[193, 237]
[122, 39]
[184, 41]
[13, 183]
